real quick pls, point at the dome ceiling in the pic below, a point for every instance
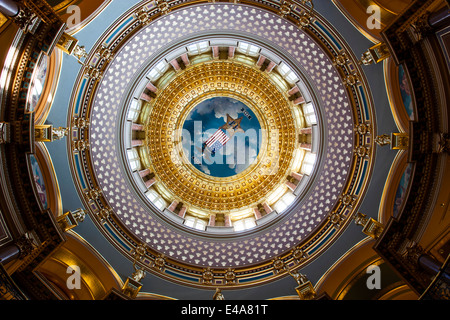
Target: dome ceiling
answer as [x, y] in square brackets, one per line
[116, 196]
[220, 79]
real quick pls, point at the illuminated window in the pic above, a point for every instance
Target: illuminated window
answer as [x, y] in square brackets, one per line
[160, 203]
[198, 48]
[309, 114]
[158, 70]
[37, 83]
[277, 194]
[280, 81]
[308, 163]
[135, 110]
[156, 198]
[297, 160]
[134, 159]
[298, 117]
[284, 202]
[244, 224]
[195, 223]
[247, 49]
[287, 73]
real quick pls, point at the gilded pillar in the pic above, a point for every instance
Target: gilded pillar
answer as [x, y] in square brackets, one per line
[371, 227]
[71, 219]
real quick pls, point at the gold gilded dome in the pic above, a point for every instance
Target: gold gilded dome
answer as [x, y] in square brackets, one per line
[165, 122]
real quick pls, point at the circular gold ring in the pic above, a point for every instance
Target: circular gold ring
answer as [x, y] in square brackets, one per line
[172, 106]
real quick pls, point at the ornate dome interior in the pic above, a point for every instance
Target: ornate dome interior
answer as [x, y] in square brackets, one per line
[248, 150]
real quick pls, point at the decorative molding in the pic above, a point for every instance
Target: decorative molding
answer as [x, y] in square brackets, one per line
[407, 49]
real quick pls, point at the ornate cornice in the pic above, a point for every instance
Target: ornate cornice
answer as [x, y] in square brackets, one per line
[28, 214]
[408, 49]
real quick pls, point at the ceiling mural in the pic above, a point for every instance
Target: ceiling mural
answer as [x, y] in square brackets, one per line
[218, 140]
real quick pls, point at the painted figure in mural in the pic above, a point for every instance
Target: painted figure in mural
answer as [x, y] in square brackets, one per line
[220, 138]
[40, 189]
[232, 126]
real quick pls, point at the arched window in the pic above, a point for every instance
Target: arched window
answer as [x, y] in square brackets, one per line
[158, 71]
[37, 83]
[244, 224]
[198, 48]
[284, 202]
[248, 49]
[134, 159]
[135, 110]
[195, 223]
[287, 73]
[156, 198]
[308, 163]
[309, 114]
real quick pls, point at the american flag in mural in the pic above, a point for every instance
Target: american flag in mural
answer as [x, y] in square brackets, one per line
[217, 141]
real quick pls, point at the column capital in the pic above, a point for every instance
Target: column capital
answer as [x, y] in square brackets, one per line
[371, 227]
[375, 54]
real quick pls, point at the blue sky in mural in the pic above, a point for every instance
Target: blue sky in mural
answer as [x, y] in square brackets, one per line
[238, 153]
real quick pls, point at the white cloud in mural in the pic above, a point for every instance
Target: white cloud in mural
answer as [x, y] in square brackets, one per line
[205, 169]
[220, 108]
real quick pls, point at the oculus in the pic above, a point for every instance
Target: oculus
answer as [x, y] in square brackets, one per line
[221, 137]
